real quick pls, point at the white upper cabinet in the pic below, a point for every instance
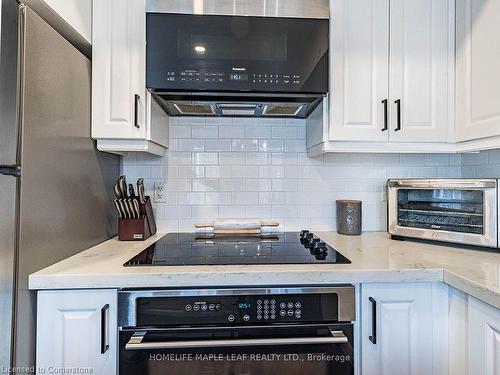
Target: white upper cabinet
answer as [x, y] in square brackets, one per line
[478, 69]
[123, 112]
[421, 70]
[359, 40]
[391, 77]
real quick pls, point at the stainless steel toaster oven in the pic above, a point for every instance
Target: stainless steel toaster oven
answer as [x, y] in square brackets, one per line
[452, 210]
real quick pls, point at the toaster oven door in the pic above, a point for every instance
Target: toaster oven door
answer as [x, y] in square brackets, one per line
[460, 211]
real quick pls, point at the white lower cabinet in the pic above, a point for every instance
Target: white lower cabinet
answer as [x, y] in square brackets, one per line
[483, 338]
[398, 334]
[76, 331]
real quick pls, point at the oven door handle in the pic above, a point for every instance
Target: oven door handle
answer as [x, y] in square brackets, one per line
[136, 342]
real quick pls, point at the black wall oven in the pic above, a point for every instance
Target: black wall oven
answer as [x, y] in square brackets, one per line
[237, 59]
[263, 331]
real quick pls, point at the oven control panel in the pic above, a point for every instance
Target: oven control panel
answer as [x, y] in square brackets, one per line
[237, 310]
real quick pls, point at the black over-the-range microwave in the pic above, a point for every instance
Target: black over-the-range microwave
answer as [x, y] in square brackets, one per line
[237, 65]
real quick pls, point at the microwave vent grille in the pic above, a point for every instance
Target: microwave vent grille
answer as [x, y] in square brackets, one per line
[194, 109]
[282, 110]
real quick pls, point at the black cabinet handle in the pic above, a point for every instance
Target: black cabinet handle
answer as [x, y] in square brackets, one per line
[385, 102]
[136, 111]
[104, 329]
[373, 337]
[10, 170]
[398, 107]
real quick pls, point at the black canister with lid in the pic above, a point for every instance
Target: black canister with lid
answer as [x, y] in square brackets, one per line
[349, 217]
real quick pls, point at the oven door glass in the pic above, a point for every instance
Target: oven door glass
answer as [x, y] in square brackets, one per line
[442, 209]
[237, 351]
[231, 53]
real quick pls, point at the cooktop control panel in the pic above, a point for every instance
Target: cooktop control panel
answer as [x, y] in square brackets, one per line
[238, 310]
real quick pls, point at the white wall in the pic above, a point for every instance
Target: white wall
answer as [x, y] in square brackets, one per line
[78, 13]
[230, 168]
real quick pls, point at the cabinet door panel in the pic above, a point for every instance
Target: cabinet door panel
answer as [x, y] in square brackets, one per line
[359, 69]
[69, 332]
[404, 330]
[478, 69]
[420, 70]
[118, 69]
[484, 338]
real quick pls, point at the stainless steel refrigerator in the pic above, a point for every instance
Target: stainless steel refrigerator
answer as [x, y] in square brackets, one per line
[55, 188]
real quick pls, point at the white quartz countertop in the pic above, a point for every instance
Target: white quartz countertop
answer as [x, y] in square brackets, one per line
[374, 256]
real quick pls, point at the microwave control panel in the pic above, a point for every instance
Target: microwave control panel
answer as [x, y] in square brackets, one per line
[195, 76]
[237, 310]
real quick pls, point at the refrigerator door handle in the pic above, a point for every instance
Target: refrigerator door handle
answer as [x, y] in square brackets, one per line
[10, 170]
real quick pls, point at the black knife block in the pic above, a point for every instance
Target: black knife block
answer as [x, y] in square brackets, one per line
[138, 229]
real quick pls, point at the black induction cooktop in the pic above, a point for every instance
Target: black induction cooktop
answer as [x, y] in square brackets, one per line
[183, 249]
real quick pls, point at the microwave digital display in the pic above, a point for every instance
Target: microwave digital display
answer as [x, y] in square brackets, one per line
[239, 77]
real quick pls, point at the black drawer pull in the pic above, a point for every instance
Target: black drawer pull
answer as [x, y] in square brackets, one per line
[373, 336]
[398, 108]
[104, 329]
[385, 102]
[136, 111]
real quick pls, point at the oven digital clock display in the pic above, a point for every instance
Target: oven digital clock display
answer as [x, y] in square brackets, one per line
[244, 305]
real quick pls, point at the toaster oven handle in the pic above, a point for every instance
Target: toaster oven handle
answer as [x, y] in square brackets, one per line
[443, 184]
[136, 342]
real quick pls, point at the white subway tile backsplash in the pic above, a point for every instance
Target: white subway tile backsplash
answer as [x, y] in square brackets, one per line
[218, 198]
[204, 212]
[298, 145]
[257, 132]
[232, 158]
[205, 131]
[437, 159]
[244, 145]
[180, 131]
[273, 171]
[218, 171]
[284, 158]
[257, 158]
[205, 158]
[259, 168]
[258, 184]
[249, 171]
[206, 185]
[284, 132]
[232, 185]
[271, 145]
[190, 145]
[245, 198]
[191, 171]
[218, 144]
[231, 132]
[191, 199]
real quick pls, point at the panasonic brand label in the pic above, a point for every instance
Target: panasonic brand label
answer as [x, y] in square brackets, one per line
[239, 69]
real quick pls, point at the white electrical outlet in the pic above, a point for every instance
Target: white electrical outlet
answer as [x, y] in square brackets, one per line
[160, 192]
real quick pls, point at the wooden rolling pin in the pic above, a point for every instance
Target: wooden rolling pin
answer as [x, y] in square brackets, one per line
[238, 226]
